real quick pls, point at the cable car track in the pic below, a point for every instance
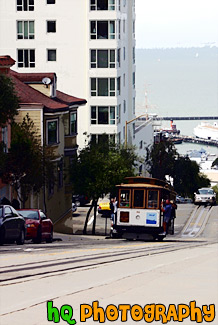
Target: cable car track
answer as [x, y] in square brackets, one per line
[30, 271]
[197, 221]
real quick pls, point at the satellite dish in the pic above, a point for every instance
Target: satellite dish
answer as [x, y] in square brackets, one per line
[46, 81]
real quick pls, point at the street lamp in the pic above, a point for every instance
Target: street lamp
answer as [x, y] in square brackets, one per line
[130, 121]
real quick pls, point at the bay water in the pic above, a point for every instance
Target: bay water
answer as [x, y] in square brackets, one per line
[179, 82]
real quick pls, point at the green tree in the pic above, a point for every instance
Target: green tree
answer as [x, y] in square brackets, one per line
[9, 102]
[27, 164]
[160, 159]
[187, 177]
[97, 169]
[163, 159]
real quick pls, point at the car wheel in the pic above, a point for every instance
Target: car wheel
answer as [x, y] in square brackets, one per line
[21, 239]
[38, 238]
[77, 202]
[2, 236]
[50, 239]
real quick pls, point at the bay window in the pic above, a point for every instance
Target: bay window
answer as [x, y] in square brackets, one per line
[102, 4]
[102, 29]
[52, 131]
[103, 115]
[25, 5]
[25, 29]
[102, 86]
[102, 58]
[26, 58]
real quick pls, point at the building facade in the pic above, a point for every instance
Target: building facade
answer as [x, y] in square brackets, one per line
[55, 122]
[90, 44]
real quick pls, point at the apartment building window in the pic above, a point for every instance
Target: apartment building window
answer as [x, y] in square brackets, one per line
[140, 144]
[103, 115]
[50, 2]
[119, 28]
[51, 55]
[133, 28]
[97, 138]
[118, 58]
[52, 131]
[102, 29]
[118, 4]
[133, 80]
[133, 55]
[51, 26]
[73, 123]
[133, 105]
[118, 86]
[124, 53]
[102, 4]
[124, 26]
[102, 86]
[25, 29]
[26, 58]
[124, 80]
[25, 5]
[124, 106]
[119, 138]
[118, 113]
[102, 59]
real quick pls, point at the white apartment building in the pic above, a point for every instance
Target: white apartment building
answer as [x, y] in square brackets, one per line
[89, 44]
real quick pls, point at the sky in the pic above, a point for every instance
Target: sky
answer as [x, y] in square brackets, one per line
[176, 23]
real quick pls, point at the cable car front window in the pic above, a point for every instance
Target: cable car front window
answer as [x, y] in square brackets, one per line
[125, 198]
[139, 199]
[152, 199]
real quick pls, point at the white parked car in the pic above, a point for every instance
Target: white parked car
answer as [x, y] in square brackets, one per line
[74, 207]
[205, 196]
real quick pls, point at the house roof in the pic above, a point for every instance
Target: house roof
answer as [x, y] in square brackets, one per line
[6, 60]
[29, 95]
[33, 77]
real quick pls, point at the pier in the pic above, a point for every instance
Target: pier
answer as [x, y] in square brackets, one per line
[186, 118]
[190, 139]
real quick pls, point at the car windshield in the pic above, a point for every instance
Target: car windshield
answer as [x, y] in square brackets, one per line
[206, 191]
[27, 214]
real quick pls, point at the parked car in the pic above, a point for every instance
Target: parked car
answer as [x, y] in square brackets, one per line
[180, 199]
[205, 195]
[38, 226]
[74, 207]
[80, 200]
[12, 225]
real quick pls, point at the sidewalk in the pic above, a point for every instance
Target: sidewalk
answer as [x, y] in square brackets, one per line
[74, 225]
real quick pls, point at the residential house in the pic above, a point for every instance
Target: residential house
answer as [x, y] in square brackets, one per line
[55, 117]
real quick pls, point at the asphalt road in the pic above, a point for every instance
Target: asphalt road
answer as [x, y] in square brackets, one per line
[77, 270]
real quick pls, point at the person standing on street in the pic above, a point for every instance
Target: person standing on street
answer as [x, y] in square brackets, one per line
[112, 209]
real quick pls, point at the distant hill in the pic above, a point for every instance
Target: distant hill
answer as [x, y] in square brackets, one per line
[180, 81]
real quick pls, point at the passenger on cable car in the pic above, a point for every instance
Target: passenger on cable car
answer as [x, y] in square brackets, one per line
[167, 213]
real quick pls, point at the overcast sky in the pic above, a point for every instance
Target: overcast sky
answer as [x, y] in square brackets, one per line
[176, 23]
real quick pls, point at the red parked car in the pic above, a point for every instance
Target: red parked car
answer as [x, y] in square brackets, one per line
[38, 226]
